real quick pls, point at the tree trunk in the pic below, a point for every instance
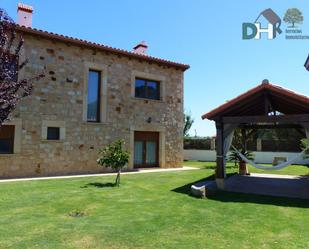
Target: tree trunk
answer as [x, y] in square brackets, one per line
[243, 170]
[117, 182]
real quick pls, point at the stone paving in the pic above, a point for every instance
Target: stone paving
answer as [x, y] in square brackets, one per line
[270, 184]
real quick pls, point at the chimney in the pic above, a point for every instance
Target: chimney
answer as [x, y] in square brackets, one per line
[24, 15]
[141, 48]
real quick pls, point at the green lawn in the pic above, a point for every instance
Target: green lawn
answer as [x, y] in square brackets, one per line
[290, 170]
[150, 210]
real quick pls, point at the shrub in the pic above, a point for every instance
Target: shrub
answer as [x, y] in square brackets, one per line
[115, 157]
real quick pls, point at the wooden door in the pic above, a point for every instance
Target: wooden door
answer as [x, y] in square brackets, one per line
[146, 149]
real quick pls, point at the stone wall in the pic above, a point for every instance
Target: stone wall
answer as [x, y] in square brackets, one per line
[60, 98]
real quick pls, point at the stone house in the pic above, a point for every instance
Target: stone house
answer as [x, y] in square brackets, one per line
[91, 96]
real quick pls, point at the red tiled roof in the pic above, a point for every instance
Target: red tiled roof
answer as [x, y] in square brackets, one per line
[63, 38]
[264, 86]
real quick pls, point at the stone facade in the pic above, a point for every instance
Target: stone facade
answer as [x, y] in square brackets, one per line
[59, 100]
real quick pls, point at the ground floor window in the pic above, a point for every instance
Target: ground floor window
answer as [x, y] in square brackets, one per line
[53, 133]
[53, 130]
[146, 149]
[7, 133]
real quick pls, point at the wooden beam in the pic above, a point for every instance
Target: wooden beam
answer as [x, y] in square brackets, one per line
[271, 126]
[301, 131]
[266, 104]
[283, 119]
[241, 107]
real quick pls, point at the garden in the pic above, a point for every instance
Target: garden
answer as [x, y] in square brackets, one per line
[152, 210]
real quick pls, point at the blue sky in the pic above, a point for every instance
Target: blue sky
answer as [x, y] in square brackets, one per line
[205, 34]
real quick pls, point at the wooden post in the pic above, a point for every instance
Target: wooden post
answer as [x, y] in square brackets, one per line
[220, 170]
[243, 170]
[244, 140]
[258, 144]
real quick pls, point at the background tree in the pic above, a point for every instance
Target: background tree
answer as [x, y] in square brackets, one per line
[188, 121]
[293, 16]
[115, 157]
[12, 89]
[304, 144]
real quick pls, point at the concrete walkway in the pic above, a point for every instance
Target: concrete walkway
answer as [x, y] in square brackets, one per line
[139, 171]
[270, 184]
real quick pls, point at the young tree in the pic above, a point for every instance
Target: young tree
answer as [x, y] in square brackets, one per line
[188, 121]
[293, 16]
[12, 89]
[115, 157]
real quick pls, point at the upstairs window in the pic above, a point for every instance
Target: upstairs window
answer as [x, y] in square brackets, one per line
[53, 133]
[147, 89]
[7, 139]
[93, 100]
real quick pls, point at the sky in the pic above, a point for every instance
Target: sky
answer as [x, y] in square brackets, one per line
[206, 34]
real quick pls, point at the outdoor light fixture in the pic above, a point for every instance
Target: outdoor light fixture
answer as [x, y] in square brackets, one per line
[307, 63]
[149, 120]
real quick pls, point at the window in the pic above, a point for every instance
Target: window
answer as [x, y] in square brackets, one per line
[147, 89]
[53, 133]
[7, 139]
[53, 130]
[93, 100]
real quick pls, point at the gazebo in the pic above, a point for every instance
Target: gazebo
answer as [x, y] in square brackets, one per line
[265, 106]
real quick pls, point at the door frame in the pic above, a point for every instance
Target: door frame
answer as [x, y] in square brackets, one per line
[161, 143]
[144, 137]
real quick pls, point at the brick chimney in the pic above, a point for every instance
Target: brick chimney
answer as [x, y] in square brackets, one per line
[24, 15]
[141, 48]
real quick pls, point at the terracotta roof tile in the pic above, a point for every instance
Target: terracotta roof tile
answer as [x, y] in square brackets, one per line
[81, 42]
[25, 7]
[253, 91]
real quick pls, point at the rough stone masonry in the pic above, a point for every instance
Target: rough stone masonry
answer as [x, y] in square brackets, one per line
[59, 100]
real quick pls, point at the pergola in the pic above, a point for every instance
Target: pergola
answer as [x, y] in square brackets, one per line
[265, 106]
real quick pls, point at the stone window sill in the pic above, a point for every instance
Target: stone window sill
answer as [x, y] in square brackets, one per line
[8, 155]
[150, 100]
[52, 141]
[95, 123]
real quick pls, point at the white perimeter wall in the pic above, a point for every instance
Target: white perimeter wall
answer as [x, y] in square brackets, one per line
[259, 156]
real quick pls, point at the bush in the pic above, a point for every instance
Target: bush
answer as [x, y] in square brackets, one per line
[197, 143]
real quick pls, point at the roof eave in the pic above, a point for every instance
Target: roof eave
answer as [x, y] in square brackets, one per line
[215, 113]
[117, 51]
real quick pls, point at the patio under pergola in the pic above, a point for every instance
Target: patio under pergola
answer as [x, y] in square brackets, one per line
[266, 106]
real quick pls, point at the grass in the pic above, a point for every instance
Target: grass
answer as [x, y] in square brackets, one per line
[290, 170]
[150, 210]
